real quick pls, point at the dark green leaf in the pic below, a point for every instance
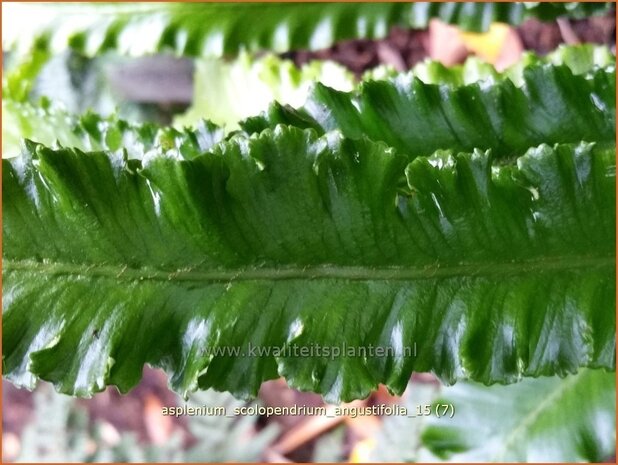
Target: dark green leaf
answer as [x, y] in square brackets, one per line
[552, 106]
[482, 271]
[225, 92]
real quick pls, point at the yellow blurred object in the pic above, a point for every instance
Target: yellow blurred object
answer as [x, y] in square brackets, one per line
[362, 451]
[487, 45]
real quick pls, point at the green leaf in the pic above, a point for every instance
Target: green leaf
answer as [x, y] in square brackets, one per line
[541, 420]
[226, 93]
[53, 126]
[19, 79]
[581, 59]
[217, 29]
[272, 78]
[552, 106]
[452, 264]
[549, 11]
[23, 120]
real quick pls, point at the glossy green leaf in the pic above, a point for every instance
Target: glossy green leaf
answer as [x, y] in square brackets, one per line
[541, 420]
[222, 97]
[453, 264]
[552, 106]
[227, 92]
[217, 29]
[53, 126]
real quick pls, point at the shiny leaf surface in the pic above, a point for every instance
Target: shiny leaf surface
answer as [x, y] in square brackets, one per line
[552, 106]
[453, 263]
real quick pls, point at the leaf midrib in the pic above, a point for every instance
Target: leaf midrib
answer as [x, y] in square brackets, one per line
[326, 271]
[534, 414]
